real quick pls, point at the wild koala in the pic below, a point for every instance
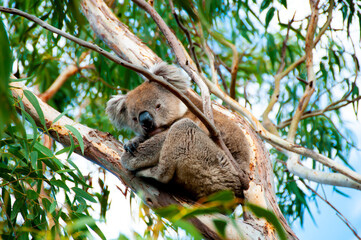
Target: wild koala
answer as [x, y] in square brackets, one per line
[173, 146]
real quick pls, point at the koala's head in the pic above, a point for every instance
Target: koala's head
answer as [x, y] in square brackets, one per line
[150, 108]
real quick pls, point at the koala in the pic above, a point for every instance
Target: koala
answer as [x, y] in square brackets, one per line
[172, 145]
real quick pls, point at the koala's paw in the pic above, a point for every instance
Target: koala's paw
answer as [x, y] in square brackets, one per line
[148, 173]
[132, 145]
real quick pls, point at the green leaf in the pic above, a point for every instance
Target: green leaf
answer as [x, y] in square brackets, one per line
[34, 159]
[18, 204]
[31, 194]
[81, 193]
[59, 183]
[5, 70]
[78, 136]
[270, 217]
[79, 224]
[189, 228]
[46, 151]
[223, 196]
[167, 212]
[34, 101]
[265, 4]
[52, 207]
[220, 226]
[269, 15]
[61, 115]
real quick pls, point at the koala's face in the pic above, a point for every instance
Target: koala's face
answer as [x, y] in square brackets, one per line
[147, 110]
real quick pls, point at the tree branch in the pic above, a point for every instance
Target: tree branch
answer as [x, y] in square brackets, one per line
[310, 72]
[267, 123]
[342, 217]
[188, 35]
[330, 107]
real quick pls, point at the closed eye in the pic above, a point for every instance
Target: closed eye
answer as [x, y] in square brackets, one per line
[157, 107]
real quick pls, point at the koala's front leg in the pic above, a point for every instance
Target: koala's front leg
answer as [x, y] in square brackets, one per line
[133, 144]
[146, 154]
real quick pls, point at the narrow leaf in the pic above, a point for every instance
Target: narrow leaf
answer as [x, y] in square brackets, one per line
[81, 193]
[34, 101]
[77, 135]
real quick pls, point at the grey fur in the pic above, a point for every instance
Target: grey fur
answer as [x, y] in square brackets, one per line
[172, 74]
[179, 151]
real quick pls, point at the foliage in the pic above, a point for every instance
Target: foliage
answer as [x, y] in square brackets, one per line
[35, 178]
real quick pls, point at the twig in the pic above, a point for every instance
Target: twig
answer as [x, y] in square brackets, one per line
[269, 125]
[331, 107]
[224, 84]
[341, 216]
[188, 35]
[235, 61]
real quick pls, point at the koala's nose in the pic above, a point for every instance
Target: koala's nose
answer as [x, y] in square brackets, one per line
[146, 121]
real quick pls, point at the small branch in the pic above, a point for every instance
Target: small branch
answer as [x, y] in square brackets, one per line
[69, 71]
[331, 107]
[224, 84]
[342, 217]
[334, 179]
[317, 39]
[235, 61]
[310, 72]
[269, 125]
[188, 35]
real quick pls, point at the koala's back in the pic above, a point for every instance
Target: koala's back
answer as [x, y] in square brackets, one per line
[202, 168]
[232, 136]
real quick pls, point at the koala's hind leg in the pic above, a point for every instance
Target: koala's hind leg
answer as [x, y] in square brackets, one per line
[146, 154]
[173, 150]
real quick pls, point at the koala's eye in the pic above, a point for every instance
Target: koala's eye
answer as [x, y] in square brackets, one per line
[157, 107]
[134, 119]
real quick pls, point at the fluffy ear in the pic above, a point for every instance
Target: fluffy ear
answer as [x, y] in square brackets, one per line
[172, 74]
[117, 111]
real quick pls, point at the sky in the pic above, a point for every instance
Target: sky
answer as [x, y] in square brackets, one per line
[123, 218]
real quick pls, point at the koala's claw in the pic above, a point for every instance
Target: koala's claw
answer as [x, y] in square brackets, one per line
[131, 147]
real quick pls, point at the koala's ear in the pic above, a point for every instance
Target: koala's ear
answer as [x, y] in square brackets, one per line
[172, 74]
[117, 111]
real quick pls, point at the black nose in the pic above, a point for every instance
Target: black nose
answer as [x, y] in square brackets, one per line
[146, 121]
